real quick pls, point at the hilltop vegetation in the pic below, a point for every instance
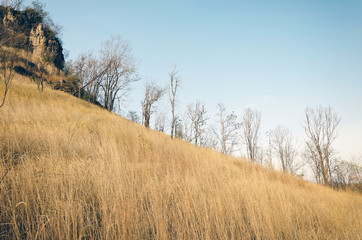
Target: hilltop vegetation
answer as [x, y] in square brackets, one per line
[35, 44]
[70, 169]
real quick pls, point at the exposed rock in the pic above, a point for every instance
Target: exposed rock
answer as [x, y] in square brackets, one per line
[9, 17]
[38, 40]
[41, 40]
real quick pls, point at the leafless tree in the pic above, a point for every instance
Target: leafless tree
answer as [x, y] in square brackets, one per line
[310, 158]
[284, 147]
[269, 150]
[108, 76]
[227, 132]
[5, 3]
[16, 4]
[197, 115]
[179, 129]
[133, 116]
[46, 59]
[120, 71]
[81, 70]
[320, 127]
[160, 122]
[92, 77]
[89, 71]
[183, 127]
[152, 94]
[347, 173]
[8, 59]
[175, 82]
[250, 134]
[208, 138]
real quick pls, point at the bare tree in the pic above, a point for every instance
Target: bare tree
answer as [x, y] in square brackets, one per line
[174, 85]
[5, 3]
[320, 127]
[89, 71]
[227, 132]
[9, 40]
[8, 60]
[183, 127]
[250, 134]
[347, 174]
[208, 138]
[284, 147]
[94, 71]
[160, 122]
[179, 129]
[108, 77]
[269, 150]
[120, 71]
[133, 116]
[81, 70]
[16, 4]
[197, 114]
[152, 94]
[46, 59]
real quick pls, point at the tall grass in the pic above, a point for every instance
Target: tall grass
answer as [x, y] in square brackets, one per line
[75, 171]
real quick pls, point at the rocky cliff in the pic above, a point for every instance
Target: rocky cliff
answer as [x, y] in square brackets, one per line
[40, 40]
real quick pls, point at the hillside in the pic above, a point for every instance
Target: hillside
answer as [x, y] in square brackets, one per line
[71, 170]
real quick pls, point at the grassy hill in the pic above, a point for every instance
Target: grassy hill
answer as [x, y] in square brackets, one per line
[75, 171]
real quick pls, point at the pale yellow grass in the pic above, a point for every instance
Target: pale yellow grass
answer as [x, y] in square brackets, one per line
[80, 172]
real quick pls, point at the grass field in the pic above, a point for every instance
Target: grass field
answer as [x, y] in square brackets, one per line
[72, 170]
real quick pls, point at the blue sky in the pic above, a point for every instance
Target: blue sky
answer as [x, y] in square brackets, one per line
[275, 56]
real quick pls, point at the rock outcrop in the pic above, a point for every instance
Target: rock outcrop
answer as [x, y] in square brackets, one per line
[38, 41]
[43, 47]
[9, 17]
[41, 41]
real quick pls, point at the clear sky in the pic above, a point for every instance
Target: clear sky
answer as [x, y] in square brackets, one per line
[275, 56]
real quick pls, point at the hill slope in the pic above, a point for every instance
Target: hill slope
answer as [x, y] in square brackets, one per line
[78, 171]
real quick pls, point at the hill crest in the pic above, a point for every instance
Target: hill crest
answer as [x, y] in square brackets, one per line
[38, 39]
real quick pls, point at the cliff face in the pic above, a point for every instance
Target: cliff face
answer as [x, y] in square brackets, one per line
[43, 46]
[40, 40]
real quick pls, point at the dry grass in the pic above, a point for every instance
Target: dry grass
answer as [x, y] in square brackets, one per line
[79, 172]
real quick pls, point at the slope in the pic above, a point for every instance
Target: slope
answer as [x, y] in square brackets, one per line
[73, 170]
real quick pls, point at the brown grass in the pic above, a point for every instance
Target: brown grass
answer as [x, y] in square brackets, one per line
[80, 172]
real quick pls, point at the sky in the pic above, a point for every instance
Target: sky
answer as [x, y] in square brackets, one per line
[277, 57]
